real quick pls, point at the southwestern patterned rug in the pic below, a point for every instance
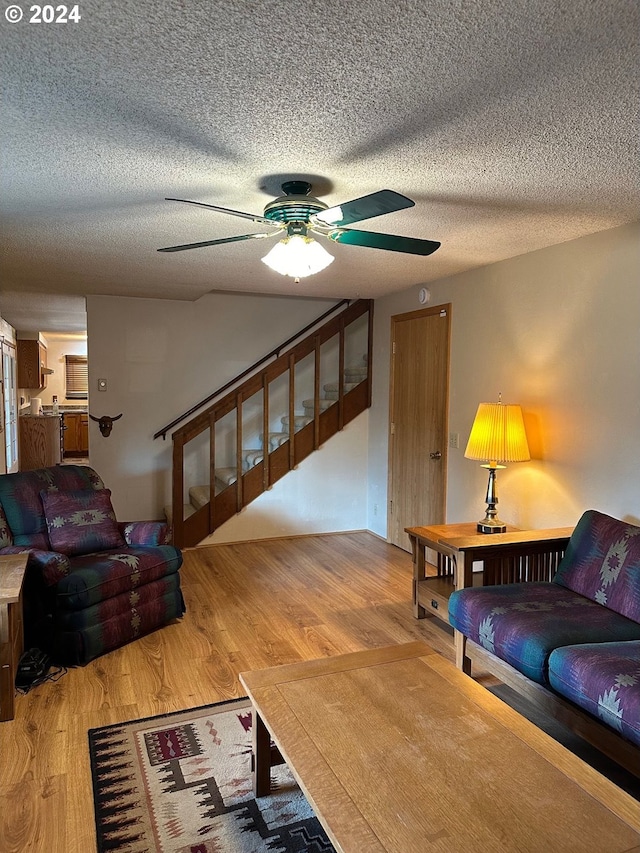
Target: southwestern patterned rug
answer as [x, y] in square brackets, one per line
[181, 783]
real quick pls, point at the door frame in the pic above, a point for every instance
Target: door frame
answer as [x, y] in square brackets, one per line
[395, 318]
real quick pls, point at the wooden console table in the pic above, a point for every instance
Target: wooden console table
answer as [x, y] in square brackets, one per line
[12, 568]
[511, 557]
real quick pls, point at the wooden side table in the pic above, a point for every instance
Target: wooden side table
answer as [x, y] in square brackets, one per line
[511, 557]
[12, 568]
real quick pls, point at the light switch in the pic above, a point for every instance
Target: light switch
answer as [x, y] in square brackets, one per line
[102, 384]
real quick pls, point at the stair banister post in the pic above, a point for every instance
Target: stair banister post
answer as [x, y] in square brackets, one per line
[239, 484]
[341, 376]
[292, 401]
[370, 355]
[177, 492]
[266, 448]
[316, 393]
[212, 470]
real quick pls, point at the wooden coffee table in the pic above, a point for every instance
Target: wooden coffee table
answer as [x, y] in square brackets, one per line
[397, 750]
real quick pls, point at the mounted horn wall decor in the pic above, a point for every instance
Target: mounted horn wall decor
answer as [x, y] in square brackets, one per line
[106, 423]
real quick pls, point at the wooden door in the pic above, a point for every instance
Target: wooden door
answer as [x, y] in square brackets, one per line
[418, 421]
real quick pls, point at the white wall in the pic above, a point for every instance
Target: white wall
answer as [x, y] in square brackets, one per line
[160, 357]
[557, 331]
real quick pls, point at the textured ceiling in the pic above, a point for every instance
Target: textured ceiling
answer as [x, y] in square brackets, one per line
[512, 124]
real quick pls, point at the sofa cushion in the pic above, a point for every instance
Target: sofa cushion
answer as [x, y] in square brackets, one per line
[20, 498]
[80, 522]
[602, 562]
[522, 623]
[604, 679]
[94, 578]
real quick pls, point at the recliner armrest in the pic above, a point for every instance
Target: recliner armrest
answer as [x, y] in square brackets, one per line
[51, 565]
[145, 532]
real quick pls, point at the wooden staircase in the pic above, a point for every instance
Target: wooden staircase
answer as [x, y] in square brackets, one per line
[262, 454]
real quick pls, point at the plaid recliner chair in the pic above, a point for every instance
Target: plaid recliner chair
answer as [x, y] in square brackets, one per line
[92, 583]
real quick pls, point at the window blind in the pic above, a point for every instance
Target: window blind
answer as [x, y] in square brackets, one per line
[76, 377]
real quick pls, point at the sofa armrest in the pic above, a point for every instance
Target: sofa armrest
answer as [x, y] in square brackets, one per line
[50, 565]
[145, 532]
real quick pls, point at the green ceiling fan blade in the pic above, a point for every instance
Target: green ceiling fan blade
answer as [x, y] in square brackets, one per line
[254, 217]
[215, 242]
[366, 207]
[390, 242]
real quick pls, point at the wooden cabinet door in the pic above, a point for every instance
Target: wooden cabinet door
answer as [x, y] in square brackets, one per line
[71, 434]
[83, 435]
[76, 434]
[32, 358]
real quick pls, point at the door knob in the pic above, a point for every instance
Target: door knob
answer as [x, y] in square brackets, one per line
[436, 455]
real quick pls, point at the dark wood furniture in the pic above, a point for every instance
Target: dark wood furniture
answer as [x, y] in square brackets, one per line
[12, 568]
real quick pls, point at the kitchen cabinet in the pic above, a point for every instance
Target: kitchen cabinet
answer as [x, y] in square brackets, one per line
[76, 434]
[39, 441]
[32, 364]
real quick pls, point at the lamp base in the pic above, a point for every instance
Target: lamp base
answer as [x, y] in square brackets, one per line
[491, 525]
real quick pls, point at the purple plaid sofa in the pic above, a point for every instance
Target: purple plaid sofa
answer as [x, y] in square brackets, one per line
[92, 583]
[578, 635]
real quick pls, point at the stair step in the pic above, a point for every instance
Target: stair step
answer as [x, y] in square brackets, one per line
[332, 389]
[226, 476]
[276, 439]
[355, 374]
[324, 404]
[199, 496]
[251, 458]
[299, 421]
[187, 510]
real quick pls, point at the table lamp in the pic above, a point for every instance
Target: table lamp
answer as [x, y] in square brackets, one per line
[497, 436]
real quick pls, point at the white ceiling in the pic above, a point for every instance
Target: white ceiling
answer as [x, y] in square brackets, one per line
[512, 124]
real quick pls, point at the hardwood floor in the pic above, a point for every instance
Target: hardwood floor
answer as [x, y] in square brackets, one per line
[249, 606]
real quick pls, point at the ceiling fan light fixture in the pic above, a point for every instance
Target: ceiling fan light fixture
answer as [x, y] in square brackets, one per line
[298, 256]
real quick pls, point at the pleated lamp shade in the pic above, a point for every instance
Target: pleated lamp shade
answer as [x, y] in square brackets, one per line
[498, 435]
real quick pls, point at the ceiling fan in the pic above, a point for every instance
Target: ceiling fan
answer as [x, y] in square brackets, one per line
[296, 214]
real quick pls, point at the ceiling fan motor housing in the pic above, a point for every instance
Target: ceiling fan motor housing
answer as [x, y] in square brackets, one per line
[296, 205]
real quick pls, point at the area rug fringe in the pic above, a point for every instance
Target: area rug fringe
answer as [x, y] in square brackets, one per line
[181, 783]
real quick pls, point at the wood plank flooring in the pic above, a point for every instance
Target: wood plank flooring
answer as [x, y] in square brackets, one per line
[249, 606]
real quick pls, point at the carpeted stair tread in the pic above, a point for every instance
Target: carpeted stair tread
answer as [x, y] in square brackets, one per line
[199, 496]
[226, 476]
[309, 404]
[187, 510]
[332, 389]
[355, 374]
[299, 421]
[276, 439]
[251, 458]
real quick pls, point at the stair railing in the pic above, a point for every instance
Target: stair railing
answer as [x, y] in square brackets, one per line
[275, 352]
[300, 443]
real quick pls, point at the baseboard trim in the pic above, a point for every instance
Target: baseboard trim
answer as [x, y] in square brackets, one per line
[283, 536]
